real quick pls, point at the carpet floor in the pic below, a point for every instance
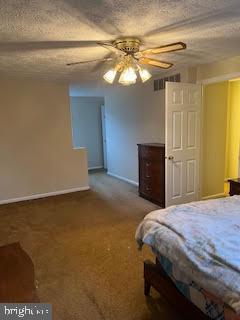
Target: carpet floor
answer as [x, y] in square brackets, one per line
[85, 256]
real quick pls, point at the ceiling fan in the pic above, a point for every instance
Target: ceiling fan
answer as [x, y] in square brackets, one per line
[128, 59]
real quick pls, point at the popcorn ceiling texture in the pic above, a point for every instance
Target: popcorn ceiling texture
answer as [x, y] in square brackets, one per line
[38, 38]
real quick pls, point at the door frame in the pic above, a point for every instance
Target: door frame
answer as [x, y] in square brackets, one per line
[104, 139]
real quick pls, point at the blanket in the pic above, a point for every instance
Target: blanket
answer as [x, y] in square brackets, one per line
[203, 240]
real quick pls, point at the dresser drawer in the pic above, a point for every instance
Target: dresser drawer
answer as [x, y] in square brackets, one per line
[151, 152]
[152, 190]
[146, 186]
[149, 168]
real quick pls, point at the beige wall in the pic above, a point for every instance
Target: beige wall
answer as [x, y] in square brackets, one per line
[36, 154]
[218, 69]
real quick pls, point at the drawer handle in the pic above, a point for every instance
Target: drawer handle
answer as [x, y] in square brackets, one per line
[147, 169]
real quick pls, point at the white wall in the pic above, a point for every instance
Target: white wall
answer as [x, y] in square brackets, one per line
[36, 153]
[134, 114]
[87, 127]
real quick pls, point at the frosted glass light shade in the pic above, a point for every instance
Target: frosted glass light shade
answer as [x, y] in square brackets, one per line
[144, 74]
[128, 76]
[110, 75]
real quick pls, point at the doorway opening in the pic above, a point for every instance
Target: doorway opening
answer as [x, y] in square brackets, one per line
[221, 137]
[89, 129]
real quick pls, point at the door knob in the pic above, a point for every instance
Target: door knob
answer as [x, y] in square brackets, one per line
[170, 157]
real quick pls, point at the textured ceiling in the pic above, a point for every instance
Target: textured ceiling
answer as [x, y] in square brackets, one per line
[38, 37]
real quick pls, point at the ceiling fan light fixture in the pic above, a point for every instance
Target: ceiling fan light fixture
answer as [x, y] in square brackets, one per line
[128, 56]
[145, 75]
[110, 75]
[128, 76]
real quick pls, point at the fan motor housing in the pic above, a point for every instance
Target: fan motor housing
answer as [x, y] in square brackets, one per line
[128, 45]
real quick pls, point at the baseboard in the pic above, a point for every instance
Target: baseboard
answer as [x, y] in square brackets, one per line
[44, 195]
[95, 168]
[122, 178]
[215, 196]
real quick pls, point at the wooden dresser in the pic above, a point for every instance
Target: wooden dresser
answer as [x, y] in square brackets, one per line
[151, 158]
[234, 187]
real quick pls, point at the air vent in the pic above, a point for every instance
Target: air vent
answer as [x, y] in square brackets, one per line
[159, 84]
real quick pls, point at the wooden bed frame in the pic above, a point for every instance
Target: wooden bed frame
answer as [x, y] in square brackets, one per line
[17, 276]
[156, 277]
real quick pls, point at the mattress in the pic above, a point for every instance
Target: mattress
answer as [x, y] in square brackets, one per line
[202, 238]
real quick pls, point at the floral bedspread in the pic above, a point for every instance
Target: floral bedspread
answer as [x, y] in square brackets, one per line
[203, 239]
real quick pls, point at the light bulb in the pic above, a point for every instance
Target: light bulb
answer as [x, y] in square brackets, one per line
[110, 75]
[128, 76]
[144, 74]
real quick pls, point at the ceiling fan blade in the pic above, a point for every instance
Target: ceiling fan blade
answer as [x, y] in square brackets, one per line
[24, 46]
[168, 48]
[89, 61]
[111, 47]
[101, 65]
[155, 63]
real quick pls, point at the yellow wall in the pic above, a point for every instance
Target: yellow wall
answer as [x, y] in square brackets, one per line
[233, 136]
[215, 106]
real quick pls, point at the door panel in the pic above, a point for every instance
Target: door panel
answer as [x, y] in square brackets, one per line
[177, 130]
[176, 168]
[191, 176]
[183, 112]
[177, 96]
[191, 129]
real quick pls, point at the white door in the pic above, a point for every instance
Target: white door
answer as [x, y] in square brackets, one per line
[182, 142]
[104, 136]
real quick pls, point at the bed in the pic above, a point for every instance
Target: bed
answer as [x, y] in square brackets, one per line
[197, 249]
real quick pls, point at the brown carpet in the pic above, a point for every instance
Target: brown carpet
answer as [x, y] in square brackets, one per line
[83, 248]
